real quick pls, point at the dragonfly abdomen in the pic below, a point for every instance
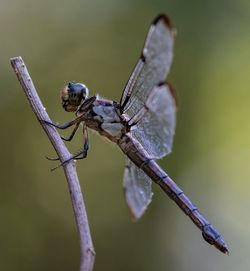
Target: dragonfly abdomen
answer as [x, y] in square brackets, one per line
[209, 233]
[139, 157]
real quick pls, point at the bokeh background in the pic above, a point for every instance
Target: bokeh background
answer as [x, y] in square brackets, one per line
[98, 42]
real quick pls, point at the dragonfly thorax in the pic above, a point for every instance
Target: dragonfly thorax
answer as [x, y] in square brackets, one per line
[73, 95]
[108, 117]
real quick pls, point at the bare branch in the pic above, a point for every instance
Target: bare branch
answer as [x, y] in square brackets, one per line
[86, 245]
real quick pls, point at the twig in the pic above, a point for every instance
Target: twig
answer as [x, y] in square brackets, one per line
[86, 245]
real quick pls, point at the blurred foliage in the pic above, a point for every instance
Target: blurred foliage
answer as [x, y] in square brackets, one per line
[98, 42]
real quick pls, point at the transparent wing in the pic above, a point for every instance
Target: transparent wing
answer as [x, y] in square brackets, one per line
[145, 93]
[137, 188]
[155, 130]
[152, 67]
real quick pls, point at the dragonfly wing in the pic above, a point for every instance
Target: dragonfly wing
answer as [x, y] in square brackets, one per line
[152, 67]
[137, 188]
[155, 130]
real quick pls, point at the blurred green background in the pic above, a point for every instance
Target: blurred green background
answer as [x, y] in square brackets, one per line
[98, 43]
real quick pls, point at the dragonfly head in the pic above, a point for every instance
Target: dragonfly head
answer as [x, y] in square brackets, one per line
[73, 95]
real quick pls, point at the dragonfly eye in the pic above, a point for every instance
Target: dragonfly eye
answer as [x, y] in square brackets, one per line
[72, 95]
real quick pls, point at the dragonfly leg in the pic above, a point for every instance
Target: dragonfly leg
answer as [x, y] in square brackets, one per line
[66, 139]
[64, 125]
[76, 156]
[86, 141]
[52, 158]
[72, 134]
[83, 153]
[86, 103]
[79, 155]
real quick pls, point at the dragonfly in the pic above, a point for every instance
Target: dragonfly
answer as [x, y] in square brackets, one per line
[142, 125]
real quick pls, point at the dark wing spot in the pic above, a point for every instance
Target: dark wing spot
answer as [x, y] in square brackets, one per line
[172, 91]
[164, 18]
